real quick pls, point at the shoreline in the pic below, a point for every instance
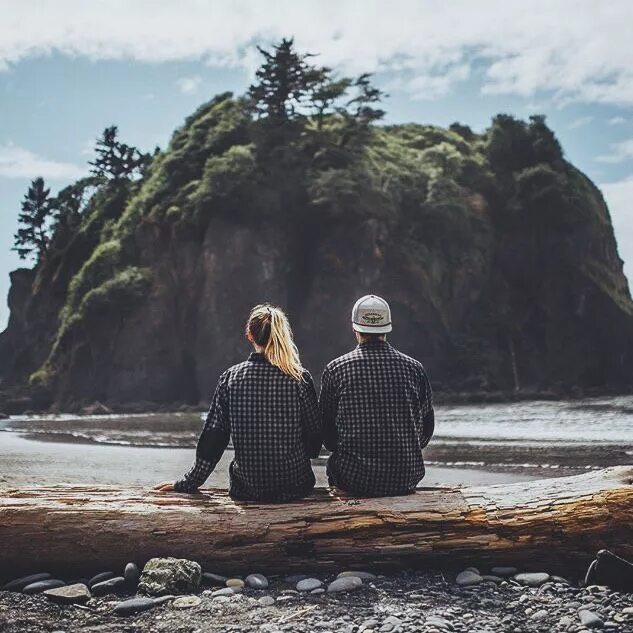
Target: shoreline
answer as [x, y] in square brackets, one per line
[20, 401]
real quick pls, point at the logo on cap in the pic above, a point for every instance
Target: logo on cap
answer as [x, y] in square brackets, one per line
[372, 317]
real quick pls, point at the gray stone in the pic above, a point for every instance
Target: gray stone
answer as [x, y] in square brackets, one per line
[391, 623]
[293, 579]
[222, 599]
[163, 599]
[308, 584]
[235, 582]
[560, 580]
[590, 619]
[266, 601]
[169, 576]
[539, 615]
[363, 575]
[491, 578]
[438, 622]
[214, 580]
[43, 585]
[132, 573]
[135, 605]
[227, 591]
[317, 591]
[474, 570]
[19, 583]
[535, 579]
[347, 583]
[504, 571]
[257, 581]
[95, 580]
[628, 610]
[70, 594]
[186, 602]
[113, 585]
[467, 578]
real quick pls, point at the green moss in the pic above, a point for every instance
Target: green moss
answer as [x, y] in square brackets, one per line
[118, 294]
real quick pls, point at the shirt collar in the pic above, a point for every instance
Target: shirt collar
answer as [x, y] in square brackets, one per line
[257, 357]
[373, 344]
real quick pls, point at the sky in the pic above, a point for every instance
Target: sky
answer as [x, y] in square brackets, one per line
[70, 68]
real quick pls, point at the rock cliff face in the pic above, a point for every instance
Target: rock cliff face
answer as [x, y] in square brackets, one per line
[497, 256]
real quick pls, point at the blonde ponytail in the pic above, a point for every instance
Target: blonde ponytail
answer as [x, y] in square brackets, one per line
[270, 329]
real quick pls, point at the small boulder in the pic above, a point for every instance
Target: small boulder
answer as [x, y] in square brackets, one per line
[309, 584]
[363, 575]
[293, 579]
[112, 585]
[317, 591]
[95, 580]
[227, 591]
[266, 601]
[535, 579]
[235, 582]
[257, 581]
[590, 619]
[491, 578]
[169, 576]
[43, 585]
[132, 573]
[347, 583]
[186, 602]
[213, 580]
[135, 605]
[19, 583]
[467, 578]
[70, 594]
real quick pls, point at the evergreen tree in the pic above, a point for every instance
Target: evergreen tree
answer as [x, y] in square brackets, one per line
[116, 160]
[32, 235]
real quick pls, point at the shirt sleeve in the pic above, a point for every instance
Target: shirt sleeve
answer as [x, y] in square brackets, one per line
[311, 416]
[328, 403]
[428, 414]
[212, 442]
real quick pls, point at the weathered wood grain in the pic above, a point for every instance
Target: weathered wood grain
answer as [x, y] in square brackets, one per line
[548, 523]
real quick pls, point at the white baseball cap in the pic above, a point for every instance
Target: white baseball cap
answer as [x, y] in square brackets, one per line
[371, 315]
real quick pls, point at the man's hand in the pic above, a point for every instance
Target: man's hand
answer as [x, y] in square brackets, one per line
[165, 486]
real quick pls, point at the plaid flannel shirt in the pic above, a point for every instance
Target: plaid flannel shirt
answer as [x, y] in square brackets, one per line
[275, 426]
[377, 411]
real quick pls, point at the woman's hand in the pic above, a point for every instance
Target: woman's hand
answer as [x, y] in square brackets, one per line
[165, 486]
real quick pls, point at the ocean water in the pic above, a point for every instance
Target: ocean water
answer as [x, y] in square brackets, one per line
[473, 444]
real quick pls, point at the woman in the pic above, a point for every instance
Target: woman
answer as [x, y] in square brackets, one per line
[268, 406]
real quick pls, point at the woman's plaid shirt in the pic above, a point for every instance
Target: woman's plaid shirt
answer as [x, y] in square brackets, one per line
[275, 426]
[377, 411]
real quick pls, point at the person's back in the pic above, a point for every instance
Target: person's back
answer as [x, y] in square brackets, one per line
[268, 406]
[377, 411]
[267, 411]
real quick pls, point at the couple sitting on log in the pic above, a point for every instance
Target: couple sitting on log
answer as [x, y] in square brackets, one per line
[374, 413]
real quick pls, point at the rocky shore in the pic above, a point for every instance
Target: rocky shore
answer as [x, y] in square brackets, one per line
[176, 596]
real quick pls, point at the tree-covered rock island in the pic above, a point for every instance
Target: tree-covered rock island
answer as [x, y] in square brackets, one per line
[497, 255]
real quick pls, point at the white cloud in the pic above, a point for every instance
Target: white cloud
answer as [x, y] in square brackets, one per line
[189, 85]
[616, 120]
[17, 162]
[580, 122]
[621, 152]
[575, 50]
[619, 197]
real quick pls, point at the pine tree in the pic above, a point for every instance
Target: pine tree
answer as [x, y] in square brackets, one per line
[116, 160]
[33, 236]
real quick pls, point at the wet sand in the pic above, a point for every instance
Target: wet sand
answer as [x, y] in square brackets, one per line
[28, 461]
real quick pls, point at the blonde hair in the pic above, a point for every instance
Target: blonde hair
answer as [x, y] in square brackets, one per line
[270, 329]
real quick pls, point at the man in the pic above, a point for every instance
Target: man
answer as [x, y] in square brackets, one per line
[377, 410]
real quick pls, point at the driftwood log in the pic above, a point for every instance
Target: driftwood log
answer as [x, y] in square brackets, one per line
[538, 524]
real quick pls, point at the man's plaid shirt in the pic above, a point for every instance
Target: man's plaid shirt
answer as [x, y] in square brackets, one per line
[378, 415]
[275, 425]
